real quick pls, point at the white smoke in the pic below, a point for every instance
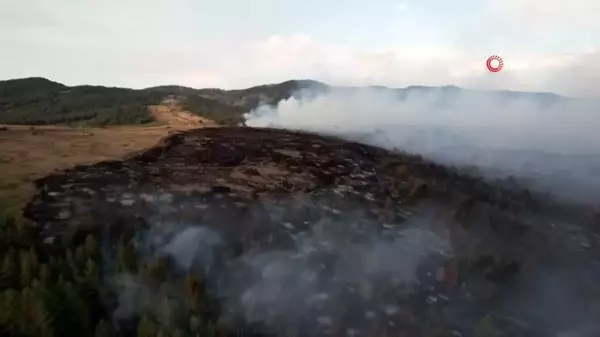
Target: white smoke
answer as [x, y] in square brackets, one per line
[549, 139]
[309, 280]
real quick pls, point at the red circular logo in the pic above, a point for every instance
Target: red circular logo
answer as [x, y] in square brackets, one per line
[496, 68]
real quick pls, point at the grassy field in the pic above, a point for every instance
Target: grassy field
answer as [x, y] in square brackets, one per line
[27, 154]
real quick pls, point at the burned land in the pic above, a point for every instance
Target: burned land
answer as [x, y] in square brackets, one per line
[233, 230]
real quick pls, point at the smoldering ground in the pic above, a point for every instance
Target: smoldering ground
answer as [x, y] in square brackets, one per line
[343, 273]
[302, 279]
[354, 275]
[549, 142]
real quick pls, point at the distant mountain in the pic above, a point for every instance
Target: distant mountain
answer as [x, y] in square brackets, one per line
[28, 86]
[37, 100]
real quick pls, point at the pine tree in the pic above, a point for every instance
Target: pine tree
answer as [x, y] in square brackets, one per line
[143, 271]
[76, 306]
[211, 331]
[70, 261]
[33, 258]
[26, 301]
[146, 328]
[195, 293]
[8, 273]
[63, 269]
[91, 273]
[159, 270]
[66, 317]
[220, 329]
[126, 259]
[22, 232]
[103, 329]
[41, 319]
[195, 324]
[92, 249]
[168, 313]
[177, 333]
[80, 257]
[193, 285]
[484, 327]
[9, 310]
[60, 281]
[3, 329]
[26, 271]
[45, 277]
[35, 284]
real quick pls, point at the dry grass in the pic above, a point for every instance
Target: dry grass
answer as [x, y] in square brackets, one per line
[171, 113]
[27, 154]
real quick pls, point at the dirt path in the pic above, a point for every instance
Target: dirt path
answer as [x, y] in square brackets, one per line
[171, 113]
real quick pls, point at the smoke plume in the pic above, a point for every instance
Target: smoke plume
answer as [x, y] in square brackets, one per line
[551, 141]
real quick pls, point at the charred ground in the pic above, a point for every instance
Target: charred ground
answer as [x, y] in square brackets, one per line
[455, 255]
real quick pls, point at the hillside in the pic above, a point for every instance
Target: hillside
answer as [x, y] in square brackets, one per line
[260, 232]
[38, 101]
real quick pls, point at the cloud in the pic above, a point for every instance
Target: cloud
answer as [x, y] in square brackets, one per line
[401, 6]
[279, 58]
[545, 16]
[549, 46]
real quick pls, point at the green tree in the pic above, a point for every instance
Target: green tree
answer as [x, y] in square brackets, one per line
[45, 277]
[159, 270]
[146, 327]
[33, 258]
[211, 331]
[8, 273]
[126, 259]
[76, 307]
[92, 249]
[74, 267]
[26, 301]
[103, 329]
[8, 226]
[484, 327]
[195, 324]
[10, 310]
[195, 293]
[41, 318]
[63, 269]
[26, 275]
[22, 231]
[66, 316]
[81, 257]
[91, 273]
[177, 333]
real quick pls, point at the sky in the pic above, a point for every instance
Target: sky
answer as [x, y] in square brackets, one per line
[549, 45]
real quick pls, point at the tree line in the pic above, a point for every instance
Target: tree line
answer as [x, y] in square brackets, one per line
[42, 102]
[65, 290]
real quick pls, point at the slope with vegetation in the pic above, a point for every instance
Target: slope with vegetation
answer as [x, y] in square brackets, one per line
[121, 248]
[38, 101]
[84, 263]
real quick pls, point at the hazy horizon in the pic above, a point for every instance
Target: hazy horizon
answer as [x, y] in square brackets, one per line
[549, 47]
[365, 86]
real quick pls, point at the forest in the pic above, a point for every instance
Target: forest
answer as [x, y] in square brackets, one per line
[38, 101]
[58, 290]
[42, 102]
